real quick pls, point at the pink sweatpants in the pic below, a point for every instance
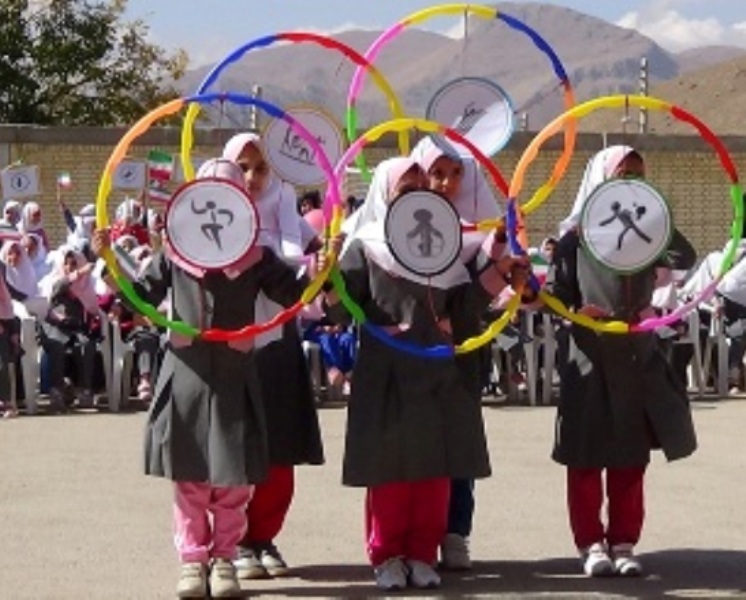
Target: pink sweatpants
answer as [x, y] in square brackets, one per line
[208, 521]
[407, 519]
[625, 505]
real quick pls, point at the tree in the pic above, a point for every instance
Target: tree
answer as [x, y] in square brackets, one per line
[78, 62]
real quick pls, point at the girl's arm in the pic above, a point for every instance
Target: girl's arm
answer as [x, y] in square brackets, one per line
[278, 280]
[680, 254]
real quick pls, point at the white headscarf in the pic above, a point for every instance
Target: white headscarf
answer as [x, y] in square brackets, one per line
[282, 228]
[474, 202]
[370, 228]
[85, 222]
[25, 224]
[83, 288]
[22, 276]
[39, 261]
[600, 168]
[14, 207]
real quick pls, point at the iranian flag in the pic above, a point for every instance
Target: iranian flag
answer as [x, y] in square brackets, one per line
[160, 165]
[539, 266]
[157, 192]
[64, 181]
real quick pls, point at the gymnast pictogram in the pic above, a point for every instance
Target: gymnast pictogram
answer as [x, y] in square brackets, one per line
[211, 230]
[429, 240]
[627, 218]
[469, 118]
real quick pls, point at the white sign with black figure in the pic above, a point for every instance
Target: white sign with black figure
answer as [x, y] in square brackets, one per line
[477, 109]
[423, 232]
[626, 225]
[295, 159]
[21, 181]
[211, 223]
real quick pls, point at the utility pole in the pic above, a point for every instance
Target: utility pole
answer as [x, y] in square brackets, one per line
[256, 92]
[643, 123]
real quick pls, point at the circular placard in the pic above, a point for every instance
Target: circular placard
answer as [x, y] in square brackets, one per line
[211, 223]
[423, 232]
[292, 158]
[478, 109]
[626, 225]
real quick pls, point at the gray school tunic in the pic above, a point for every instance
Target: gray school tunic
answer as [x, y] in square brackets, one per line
[207, 423]
[409, 418]
[618, 395]
[288, 401]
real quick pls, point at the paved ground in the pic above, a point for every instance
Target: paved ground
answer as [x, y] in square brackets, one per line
[78, 520]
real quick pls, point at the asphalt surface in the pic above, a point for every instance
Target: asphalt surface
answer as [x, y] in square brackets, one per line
[79, 520]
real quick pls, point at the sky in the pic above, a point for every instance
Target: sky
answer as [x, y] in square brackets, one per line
[209, 29]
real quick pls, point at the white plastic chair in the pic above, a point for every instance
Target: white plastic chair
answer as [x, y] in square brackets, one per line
[106, 356]
[717, 339]
[30, 359]
[123, 357]
[696, 369]
[532, 350]
[118, 363]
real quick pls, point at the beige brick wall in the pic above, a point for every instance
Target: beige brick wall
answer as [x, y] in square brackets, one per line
[684, 169]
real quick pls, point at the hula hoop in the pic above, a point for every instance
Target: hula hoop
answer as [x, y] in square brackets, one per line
[102, 218]
[487, 13]
[442, 351]
[294, 37]
[736, 196]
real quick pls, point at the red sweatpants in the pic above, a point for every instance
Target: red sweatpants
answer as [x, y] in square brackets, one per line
[625, 505]
[269, 506]
[407, 519]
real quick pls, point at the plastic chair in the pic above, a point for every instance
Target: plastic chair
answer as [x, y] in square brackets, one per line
[719, 341]
[121, 362]
[696, 366]
[30, 359]
[544, 341]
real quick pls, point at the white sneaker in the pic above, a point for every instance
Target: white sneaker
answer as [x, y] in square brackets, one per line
[454, 552]
[626, 563]
[223, 580]
[272, 561]
[391, 575]
[192, 581]
[422, 575]
[596, 561]
[248, 565]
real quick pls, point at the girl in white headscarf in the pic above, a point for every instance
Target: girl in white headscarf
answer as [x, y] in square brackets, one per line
[413, 424]
[9, 346]
[21, 276]
[80, 228]
[32, 222]
[281, 226]
[290, 407]
[70, 322]
[37, 254]
[206, 429]
[619, 398]
[463, 183]
[12, 213]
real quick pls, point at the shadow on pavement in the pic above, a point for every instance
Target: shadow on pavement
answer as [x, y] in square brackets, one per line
[688, 573]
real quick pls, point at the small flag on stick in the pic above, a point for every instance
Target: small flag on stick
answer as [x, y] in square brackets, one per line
[64, 181]
[157, 192]
[160, 165]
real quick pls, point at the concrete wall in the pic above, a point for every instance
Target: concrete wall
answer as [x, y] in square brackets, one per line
[683, 168]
